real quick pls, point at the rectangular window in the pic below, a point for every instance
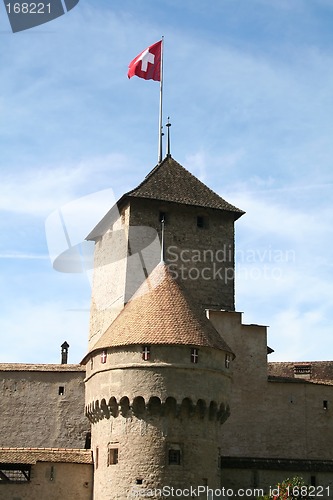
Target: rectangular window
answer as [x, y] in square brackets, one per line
[325, 404]
[194, 355]
[14, 473]
[61, 390]
[146, 352]
[103, 357]
[112, 456]
[174, 457]
[202, 222]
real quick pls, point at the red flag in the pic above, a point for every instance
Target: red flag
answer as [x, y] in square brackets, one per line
[147, 65]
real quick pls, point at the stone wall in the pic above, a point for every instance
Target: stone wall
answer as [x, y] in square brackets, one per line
[243, 433]
[42, 406]
[201, 257]
[53, 481]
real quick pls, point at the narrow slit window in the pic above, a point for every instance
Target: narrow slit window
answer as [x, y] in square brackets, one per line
[163, 217]
[194, 355]
[325, 404]
[146, 352]
[61, 390]
[200, 222]
[103, 357]
[96, 457]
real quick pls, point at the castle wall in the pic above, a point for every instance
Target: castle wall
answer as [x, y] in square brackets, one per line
[53, 481]
[34, 414]
[243, 433]
[306, 427]
[145, 409]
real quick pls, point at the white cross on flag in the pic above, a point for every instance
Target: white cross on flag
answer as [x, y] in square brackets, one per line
[147, 64]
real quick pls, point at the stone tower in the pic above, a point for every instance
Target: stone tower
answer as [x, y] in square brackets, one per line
[158, 373]
[198, 240]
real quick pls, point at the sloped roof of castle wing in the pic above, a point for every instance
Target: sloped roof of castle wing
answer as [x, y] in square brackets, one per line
[34, 455]
[161, 312]
[170, 182]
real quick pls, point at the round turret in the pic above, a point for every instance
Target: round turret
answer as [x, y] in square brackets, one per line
[157, 392]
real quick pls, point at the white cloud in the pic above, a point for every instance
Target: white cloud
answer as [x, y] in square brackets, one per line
[41, 190]
[36, 335]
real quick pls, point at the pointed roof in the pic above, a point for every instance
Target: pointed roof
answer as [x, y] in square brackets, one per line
[171, 182]
[161, 312]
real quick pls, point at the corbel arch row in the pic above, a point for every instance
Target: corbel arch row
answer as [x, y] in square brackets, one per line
[154, 406]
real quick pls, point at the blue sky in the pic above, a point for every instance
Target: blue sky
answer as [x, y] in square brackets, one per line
[248, 86]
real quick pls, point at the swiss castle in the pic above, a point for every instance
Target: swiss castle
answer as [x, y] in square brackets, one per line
[175, 391]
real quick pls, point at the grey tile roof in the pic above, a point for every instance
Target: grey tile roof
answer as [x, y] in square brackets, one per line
[170, 182]
[161, 312]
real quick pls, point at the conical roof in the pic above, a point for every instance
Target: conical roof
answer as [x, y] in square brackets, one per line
[161, 312]
[171, 182]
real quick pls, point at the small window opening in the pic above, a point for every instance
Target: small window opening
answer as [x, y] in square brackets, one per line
[200, 222]
[163, 217]
[194, 355]
[325, 404]
[103, 357]
[139, 481]
[91, 363]
[87, 444]
[52, 473]
[146, 352]
[112, 456]
[227, 360]
[61, 390]
[174, 457]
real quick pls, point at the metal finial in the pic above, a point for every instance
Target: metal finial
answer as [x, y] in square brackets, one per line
[168, 147]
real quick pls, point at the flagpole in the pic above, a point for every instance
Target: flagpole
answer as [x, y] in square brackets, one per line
[160, 126]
